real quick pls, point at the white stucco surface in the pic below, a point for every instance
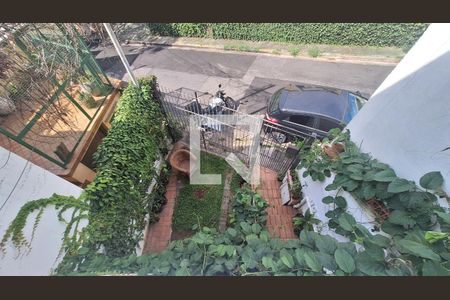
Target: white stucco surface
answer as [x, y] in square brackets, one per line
[314, 192]
[20, 182]
[406, 123]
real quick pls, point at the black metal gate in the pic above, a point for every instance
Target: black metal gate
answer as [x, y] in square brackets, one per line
[222, 137]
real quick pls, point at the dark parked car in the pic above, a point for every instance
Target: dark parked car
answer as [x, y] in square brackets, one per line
[310, 110]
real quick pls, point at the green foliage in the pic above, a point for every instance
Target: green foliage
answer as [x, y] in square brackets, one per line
[413, 212]
[241, 47]
[317, 166]
[248, 207]
[200, 204]
[14, 232]
[402, 35]
[313, 52]
[245, 249]
[296, 187]
[304, 222]
[125, 165]
[294, 51]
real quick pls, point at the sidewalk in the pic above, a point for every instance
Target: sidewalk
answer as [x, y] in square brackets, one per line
[356, 54]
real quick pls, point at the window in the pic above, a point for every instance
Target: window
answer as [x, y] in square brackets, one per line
[275, 101]
[326, 125]
[302, 120]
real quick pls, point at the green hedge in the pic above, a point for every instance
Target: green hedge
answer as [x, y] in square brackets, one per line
[125, 166]
[402, 35]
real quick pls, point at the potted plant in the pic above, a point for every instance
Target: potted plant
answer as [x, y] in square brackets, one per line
[7, 105]
[304, 221]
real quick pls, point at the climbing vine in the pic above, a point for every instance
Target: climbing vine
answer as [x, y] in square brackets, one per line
[116, 203]
[15, 234]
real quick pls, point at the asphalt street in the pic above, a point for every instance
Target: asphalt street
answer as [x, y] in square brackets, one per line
[248, 77]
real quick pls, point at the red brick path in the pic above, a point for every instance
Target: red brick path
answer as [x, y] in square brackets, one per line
[159, 234]
[279, 221]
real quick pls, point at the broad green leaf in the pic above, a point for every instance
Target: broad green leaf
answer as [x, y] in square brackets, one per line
[287, 260]
[401, 218]
[331, 187]
[417, 249]
[340, 202]
[344, 260]
[431, 180]
[374, 251]
[312, 261]
[444, 216]
[326, 244]
[369, 191]
[256, 228]
[326, 260]
[268, 263]
[385, 176]
[435, 236]
[346, 221]
[368, 265]
[307, 238]
[232, 232]
[399, 185]
[350, 185]
[381, 240]
[328, 200]
[434, 268]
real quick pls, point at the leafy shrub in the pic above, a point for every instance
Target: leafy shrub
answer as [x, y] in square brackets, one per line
[125, 165]
[248, 207]
[402, 35]
[294, 51]
[313, 52]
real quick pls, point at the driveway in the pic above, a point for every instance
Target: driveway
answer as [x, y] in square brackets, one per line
[248, 77]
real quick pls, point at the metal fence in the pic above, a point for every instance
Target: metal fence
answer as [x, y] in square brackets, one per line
[223, 137]
[51, 89]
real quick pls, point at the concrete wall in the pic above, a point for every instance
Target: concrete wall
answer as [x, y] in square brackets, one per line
[406, 123]
[20, 182]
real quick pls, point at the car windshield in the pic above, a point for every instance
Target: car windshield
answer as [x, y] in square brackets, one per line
[275, 101]
[355, 103]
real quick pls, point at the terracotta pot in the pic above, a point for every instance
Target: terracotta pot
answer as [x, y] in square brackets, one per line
[333, 150]
[181, 158]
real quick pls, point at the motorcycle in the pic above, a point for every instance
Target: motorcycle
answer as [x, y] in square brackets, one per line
[216, 104]
[219, 104]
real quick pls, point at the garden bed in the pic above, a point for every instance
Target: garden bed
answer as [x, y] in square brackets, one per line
[201, 204]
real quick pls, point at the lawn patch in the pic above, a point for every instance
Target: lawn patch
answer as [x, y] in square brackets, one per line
[200, 204]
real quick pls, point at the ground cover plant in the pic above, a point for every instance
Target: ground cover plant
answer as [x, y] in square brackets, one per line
[200, 204]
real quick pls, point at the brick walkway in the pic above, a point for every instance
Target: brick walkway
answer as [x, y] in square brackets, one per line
[159, 234]
[279, 221]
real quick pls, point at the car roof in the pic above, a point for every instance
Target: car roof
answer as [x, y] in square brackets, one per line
[315, 100]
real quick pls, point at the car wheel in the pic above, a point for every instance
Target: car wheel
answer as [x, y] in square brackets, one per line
[279, 137]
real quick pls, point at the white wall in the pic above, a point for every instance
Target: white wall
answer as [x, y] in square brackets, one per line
[314, 192]
[406, 123]
[20, 182]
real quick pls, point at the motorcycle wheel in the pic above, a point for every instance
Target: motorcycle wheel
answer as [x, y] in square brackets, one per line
[230, 103]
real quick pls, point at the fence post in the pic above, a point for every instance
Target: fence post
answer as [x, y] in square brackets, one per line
[120, 52]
